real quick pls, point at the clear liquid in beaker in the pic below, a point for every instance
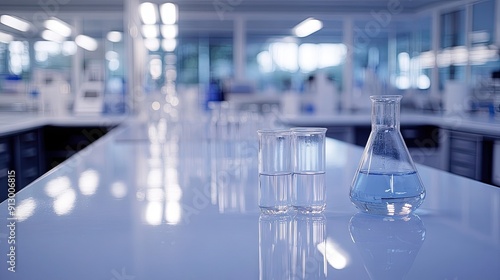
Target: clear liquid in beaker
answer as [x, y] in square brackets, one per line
[309, 192]
[274, 192]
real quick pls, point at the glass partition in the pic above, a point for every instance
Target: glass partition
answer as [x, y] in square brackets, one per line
[452, 57]
[397, 57]
[52, 51]
[371, 58]
[483, 53]
[279, 61]
[413, 56]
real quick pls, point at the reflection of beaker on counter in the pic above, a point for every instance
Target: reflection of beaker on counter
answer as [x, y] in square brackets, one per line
[274, 246]
[388, 245]
[308, 256]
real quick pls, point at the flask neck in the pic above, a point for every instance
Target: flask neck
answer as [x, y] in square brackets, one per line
[386, 111]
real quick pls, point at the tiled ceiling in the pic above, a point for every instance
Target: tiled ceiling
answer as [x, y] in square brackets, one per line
[94, 24]
[242, 6]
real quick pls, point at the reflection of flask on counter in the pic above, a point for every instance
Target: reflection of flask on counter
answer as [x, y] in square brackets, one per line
[388, 245]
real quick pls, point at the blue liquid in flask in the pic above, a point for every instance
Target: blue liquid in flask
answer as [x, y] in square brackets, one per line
[387, 193]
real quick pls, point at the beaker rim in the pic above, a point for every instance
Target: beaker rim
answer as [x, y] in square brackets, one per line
[386, 97]
[309, 129]
[273, 131]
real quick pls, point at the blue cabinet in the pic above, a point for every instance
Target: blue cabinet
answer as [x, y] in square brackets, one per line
[28, 156]
[21, 152]
[471, 155]
[5, 165]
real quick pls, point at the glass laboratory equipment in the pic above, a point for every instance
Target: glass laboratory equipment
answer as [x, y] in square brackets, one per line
[274, 246]
[387, 245]
[308, 186]
[275, 170]
[386, 181]
[308, 252]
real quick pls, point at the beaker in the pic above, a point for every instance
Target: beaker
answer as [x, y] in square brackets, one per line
[308, 186]
[275, 170]
[386, 181]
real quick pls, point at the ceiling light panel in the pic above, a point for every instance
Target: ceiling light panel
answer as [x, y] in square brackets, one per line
[58, 26]
[169, 31]
[15, 23]
[5, 38]
[168, 12]
[150, 31]
[86, 42]
[50, 35]
[114, 36]
[307, 27]
[148, 12]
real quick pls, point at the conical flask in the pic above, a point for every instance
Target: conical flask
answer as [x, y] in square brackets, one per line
[386, 181]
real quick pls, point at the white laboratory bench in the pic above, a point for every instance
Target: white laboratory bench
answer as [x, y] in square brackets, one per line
[464, 144]
[138, 206]
[481, 124]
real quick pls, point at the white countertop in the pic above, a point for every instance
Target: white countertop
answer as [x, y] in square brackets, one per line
[129, 207]
[13, 122]
[481, 124]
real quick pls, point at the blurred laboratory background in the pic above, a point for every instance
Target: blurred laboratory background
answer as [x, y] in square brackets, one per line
[113, 51]
[309, 63]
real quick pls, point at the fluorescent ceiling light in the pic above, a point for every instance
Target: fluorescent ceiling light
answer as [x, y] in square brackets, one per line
[285, 55]
[265, 61]
[5, 38]
[49, 47]
[152, 44]
[307, 27]
[114, 36]
[15, 23]
[86, 42]
[147, 11]
[169, 45]
[58, 26]
[68, 48]
[111, 55]
[309, 57]
[150, 31]
[168, 12]
[169, 31]
[50, 35]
